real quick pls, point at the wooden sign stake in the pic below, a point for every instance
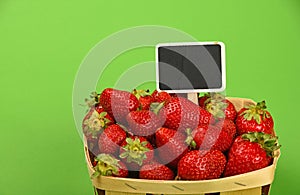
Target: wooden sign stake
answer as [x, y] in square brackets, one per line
[193, 97]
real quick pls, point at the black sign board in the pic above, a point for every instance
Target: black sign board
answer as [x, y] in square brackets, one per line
[190, 67]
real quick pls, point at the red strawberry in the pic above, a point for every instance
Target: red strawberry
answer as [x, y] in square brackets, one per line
[156, 171]
[108, 165]
[93, 104]
[136, 151]
[95, 121]
[123, 171]
[111, 139]
[218, 106]
[144, 97]
[100, 109]
[161, 96]
[145, 102]
[215, 137]
[143, 122]
[93, 124]
[227, 135]
[90, 129]
[205, 117]
[201, 165]
[202, 100]
[171, 146]
[118, 103]
[180, 113]
[250, 152]
[254, 118]
[230, 111]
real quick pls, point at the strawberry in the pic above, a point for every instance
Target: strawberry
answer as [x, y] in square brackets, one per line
[108, 165]
[118, 103]
[205, 117]
[171, 146]
[230, 111]
[218, 106]
[201, 165]
[227, 135]
[143, 122]
[144, 97]
[156, 171]
[202, 100]
[161, 96]
[93, 104]
[93, 124]
[136, 151]
[100, 109]
[95, 121]
[214, 137]
[254, 118]
[180, 113]
[250, 152]
[111, 139]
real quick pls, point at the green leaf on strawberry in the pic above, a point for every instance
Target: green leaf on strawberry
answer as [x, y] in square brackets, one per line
[106, 166]
[92, 100]
[218, 106]
[140, 93]
[135, 151]
[95, 123]
[256, 112]
[266, 141]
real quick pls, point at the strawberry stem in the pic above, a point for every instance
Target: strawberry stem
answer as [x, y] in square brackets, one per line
[155, 107]
[189, 139]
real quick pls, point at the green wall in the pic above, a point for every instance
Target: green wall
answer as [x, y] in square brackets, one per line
[42, 44]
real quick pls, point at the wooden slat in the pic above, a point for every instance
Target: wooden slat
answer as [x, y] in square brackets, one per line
[121, 193]
[234, 183]
[185, 194]
[252, 191]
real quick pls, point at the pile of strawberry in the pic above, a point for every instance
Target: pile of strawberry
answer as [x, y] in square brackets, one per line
[165, 136]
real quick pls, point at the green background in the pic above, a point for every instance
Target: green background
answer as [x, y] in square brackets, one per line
[42, 44]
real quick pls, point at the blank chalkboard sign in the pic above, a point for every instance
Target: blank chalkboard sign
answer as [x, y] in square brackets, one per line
[190, 67]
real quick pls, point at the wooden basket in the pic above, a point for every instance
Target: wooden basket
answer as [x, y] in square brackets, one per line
[252, 183]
